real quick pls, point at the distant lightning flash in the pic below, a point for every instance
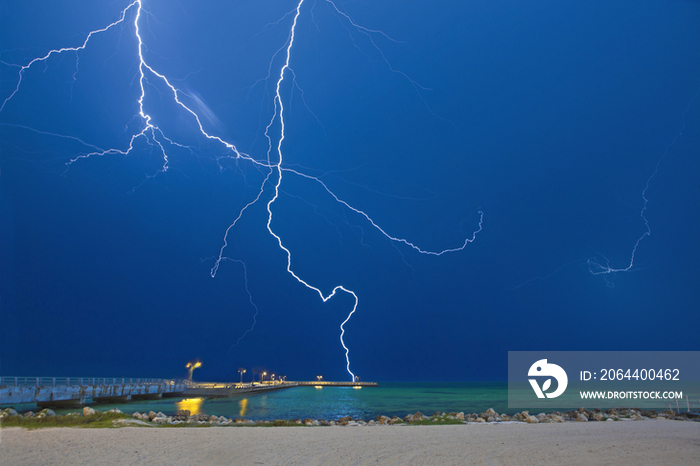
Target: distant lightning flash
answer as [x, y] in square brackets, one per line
[274, 170]
[597, 268]
[250, 299]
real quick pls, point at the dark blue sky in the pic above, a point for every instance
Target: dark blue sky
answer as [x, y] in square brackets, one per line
[548, 116]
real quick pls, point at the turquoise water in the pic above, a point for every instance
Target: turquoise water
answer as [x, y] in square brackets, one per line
[334, 402]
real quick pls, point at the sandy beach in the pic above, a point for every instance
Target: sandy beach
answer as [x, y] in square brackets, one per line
[592, 443]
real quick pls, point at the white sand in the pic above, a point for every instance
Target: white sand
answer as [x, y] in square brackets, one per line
[656, 442]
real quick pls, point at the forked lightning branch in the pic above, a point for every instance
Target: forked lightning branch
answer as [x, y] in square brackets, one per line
[272, 162]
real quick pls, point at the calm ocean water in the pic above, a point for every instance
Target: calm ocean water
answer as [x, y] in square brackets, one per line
[334, 402]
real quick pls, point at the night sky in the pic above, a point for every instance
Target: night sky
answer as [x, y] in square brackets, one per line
[549, 117]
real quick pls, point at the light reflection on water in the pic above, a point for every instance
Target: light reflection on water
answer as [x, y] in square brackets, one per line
[334, 402]
[193, 405]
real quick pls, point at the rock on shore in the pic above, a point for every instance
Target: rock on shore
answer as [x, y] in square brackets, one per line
[489, 416]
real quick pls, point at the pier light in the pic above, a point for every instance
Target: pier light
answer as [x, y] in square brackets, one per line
[241, 370]
[319, 377]
[192, 365]
[262, 376]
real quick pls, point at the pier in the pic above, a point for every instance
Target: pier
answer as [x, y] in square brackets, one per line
[70, 392]
[320, 383]
[75, 392]
[223, 390]
[226, 390]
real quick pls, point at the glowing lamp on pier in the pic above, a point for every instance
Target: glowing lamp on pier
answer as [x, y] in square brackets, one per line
[192, 365]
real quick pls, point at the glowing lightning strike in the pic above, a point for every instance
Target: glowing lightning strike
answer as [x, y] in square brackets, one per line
[278, 102]
[595, 267]
[153, 135]
[24, 68]
[279, 111]
[149, 127]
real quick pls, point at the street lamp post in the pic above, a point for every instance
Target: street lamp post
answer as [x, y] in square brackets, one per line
[262, 377]
[192, 366]
[241, 371]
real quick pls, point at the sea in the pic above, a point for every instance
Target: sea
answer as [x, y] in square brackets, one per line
[389, 399]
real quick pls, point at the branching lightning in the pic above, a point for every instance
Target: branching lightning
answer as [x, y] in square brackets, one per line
[271, 164]
[250, 299]
[598, 268]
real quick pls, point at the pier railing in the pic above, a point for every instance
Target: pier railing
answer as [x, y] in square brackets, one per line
[68, 381]
[74, 391]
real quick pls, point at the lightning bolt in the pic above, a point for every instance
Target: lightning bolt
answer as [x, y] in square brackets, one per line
[250, 299]
[598, 268]
[274, 170]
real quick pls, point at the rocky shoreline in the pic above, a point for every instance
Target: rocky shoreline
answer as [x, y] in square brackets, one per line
[184, 417]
